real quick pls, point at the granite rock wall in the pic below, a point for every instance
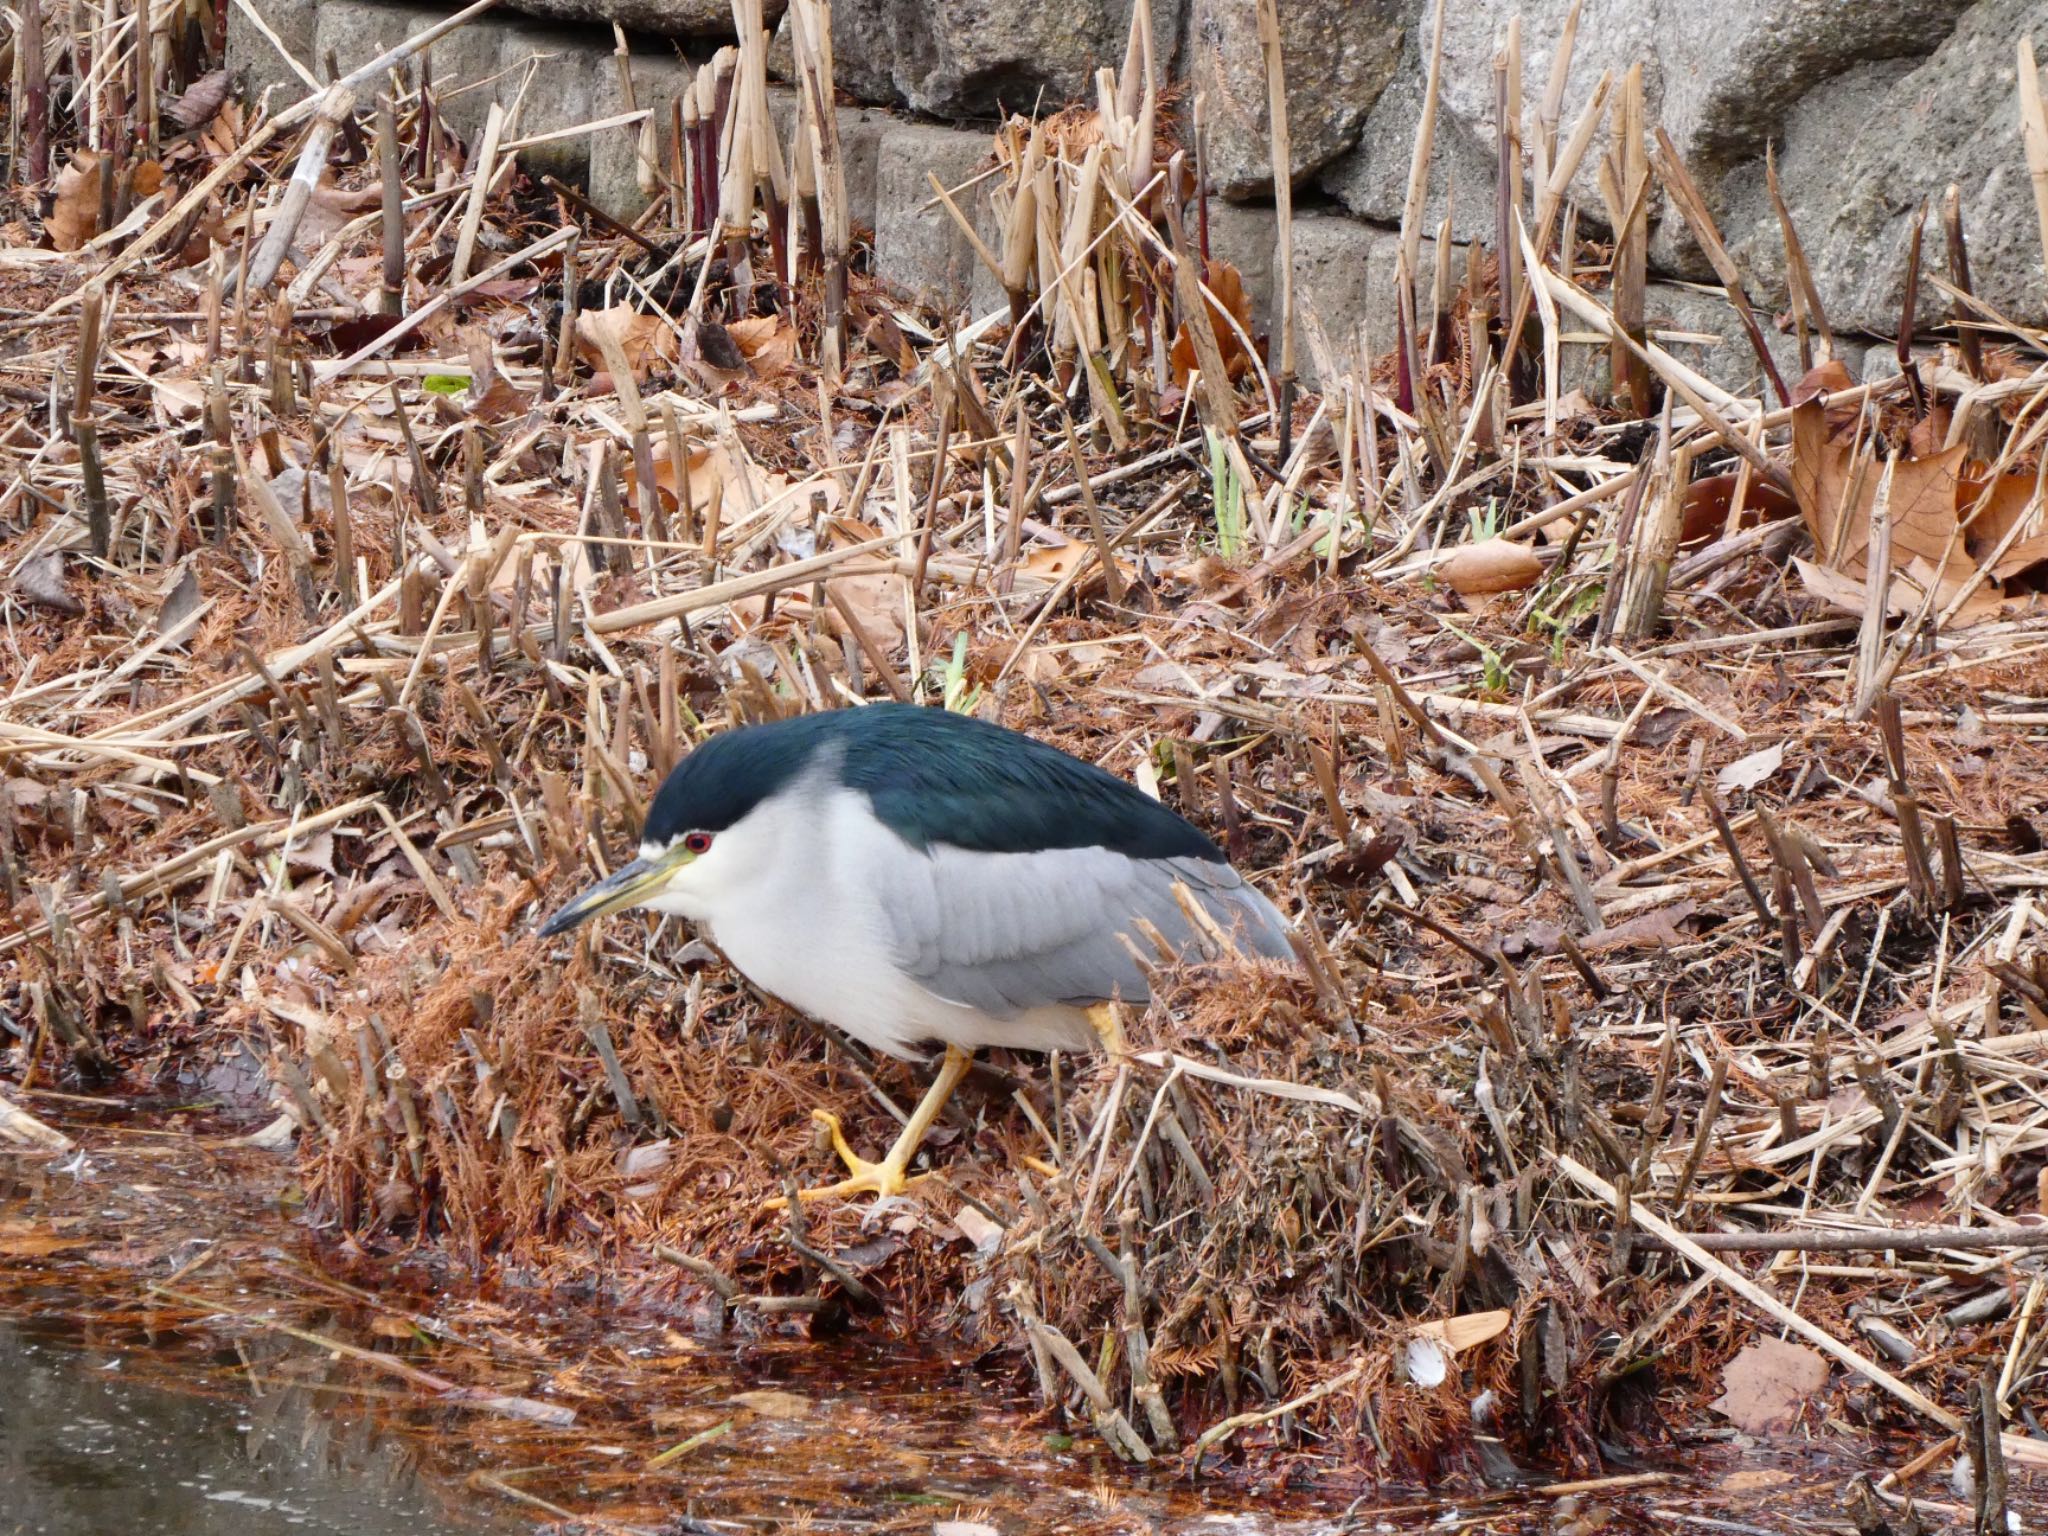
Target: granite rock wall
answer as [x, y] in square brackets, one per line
[1872, 108]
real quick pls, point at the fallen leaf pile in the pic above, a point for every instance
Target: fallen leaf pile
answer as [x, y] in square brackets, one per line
[1949, 517]
[622, 337]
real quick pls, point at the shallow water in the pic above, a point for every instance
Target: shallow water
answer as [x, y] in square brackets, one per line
[177, 1358]
[86, 1449]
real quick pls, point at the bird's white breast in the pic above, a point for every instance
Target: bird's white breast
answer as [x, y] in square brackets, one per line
[789, 894]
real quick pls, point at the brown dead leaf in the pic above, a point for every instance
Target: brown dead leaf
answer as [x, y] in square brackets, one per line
[766, 341]
[1052, 563]
[1745, 773]
[329, 210]
[1226, 293]
[1988, 601]
[1494, 565]
[644, 340]
[773, 1404]
[1908, 589]
[179, 399]
[1837, 489]
[887, 338]
[31, 797]
[1647, 930]
[200, 100]
[709, 471]
[1930, 431]
[1826, 379]
[75, 209]
[877, 601]
[1847, 593]
[1765, 1386]
[315, 853]
[224, 130]
[1705, 512]
[180, 602]
[2011, 501]
[499, 402]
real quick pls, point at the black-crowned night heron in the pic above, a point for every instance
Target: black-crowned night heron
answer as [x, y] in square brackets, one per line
[916, 876]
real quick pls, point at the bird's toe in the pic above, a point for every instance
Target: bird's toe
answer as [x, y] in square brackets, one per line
[845, 1153]
[885, 1179]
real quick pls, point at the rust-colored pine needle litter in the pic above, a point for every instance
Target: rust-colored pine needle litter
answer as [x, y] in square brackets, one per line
[915, 876]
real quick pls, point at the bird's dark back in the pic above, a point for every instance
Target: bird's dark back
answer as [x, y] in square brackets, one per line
[932, 777]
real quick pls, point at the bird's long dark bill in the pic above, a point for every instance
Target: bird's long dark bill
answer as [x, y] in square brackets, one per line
[628, 886]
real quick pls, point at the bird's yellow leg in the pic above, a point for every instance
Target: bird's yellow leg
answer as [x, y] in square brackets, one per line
[1107, 1020]
[891, 1176]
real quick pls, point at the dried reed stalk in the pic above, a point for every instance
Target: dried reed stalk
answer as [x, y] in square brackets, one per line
[1281, 149]
[2034, 134]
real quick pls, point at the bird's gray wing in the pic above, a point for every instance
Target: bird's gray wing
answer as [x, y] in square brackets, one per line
[1007, 932]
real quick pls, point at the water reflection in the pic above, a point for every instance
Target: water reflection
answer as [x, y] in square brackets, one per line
[88, 1449]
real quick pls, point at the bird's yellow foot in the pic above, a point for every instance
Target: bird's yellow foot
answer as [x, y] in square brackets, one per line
[1107, 1020]
[888, 1177]
[891, 1176]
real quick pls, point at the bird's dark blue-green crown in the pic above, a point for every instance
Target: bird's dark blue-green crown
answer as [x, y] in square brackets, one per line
[932, 777]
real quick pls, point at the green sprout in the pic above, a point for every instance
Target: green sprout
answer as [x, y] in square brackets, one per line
[1559, 625]
[1485, 524]
[1227, 492]
[1496, 672]
[960, 697]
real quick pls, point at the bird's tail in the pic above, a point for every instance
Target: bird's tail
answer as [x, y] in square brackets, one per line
[1256, 923]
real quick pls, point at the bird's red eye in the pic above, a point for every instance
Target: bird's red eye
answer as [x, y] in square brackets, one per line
[698, 842]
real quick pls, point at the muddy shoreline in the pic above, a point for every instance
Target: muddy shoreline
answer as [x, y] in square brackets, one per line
[109, 1257]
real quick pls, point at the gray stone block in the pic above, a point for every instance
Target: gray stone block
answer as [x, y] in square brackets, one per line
[1880, 360]
[921, 250]
[1862, 152]
[1344, 272]
[1737, 70]
[256, 61]
[573, 80]
[658, 78]
[462, 65]
[357, 31]
[1697, 326]
[860, 144]
[1371, 179]
[711, 19]
[1338, 57]
[1245, 236]
[982, 59]
[1344, 279]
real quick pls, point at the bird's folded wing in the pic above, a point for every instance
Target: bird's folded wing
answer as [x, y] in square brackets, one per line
[1007, 932]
